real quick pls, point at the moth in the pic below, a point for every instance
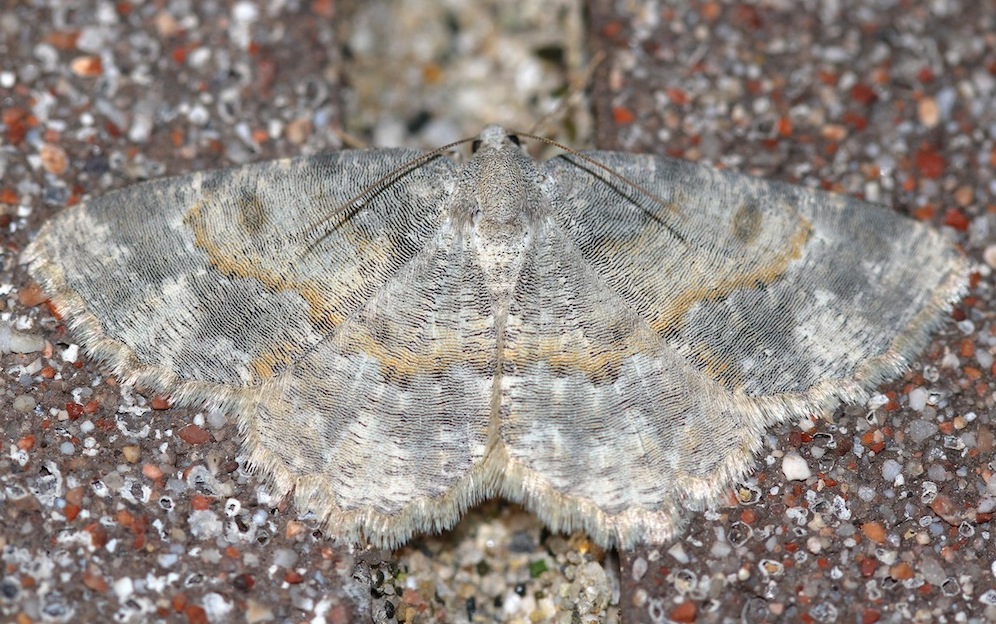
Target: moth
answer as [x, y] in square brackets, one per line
[603, 337]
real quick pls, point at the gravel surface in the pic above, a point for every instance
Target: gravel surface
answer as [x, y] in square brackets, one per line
[881, 513]
[115, 506]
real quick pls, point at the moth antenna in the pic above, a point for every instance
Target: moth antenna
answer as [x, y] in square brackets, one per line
[669, 206]
[328, 224]
[576, 87]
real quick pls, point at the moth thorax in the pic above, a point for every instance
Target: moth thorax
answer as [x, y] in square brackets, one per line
[501, 225]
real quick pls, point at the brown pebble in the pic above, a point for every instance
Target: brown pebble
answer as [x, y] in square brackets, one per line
[870, 616]
[985, 441]
[943, 506]
[298, 130]
[295, 528]
[132, 453]
[160, 403]
[685, 612]
[874, 531]
[53, 158]
[94, 580]
[166, 25]
[74, 495]
[151, 471]
[901, 571]
[31, 295]
[86, 66]
[834, 132]
[928, 112]
[964, 195]
[192, 434]
[195, 614]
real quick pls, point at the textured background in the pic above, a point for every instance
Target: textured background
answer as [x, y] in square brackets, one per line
[113, 507]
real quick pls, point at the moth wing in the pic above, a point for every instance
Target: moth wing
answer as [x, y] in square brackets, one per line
[656, 333]
[216, 280]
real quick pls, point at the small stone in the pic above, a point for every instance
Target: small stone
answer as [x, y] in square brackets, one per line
[902, 571]
[284, 557]
[928, 112]
[124, 587]
[891, 469]
[24, 403]
[685, 612]
[298, 130]
[834, 132]
[204, 524]
[989, 255]
[94, 580]
[131, 453]
[814, 545]
[31, 295]
[639, 568]
[964, 195]
[257, 612]
[795, 468]
[86, 66]
[192, 434]
[943, 506]
[918, 399]
[217, 607]
[13, 341]
[932, 571]
[874, 531]
[53, 158]
[920, 430]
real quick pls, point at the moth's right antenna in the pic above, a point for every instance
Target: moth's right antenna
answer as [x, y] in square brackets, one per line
[328, 224]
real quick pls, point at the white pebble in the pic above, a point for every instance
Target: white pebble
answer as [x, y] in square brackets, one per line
[866, 493]
[124, 588]
[891, 469]
[245, 12]
[678, 552]
[204, 524]
[13, 341]
[284, 557]
[216, 607]
[814, 545]
[71, 353]
[918, 399]
[795, 467]
[984, 358]
[989, 255]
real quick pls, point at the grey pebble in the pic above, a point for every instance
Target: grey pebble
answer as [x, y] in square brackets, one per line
[284, 557]
[920, 430]
[891, 469]
[932, 571]
[24, 403]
